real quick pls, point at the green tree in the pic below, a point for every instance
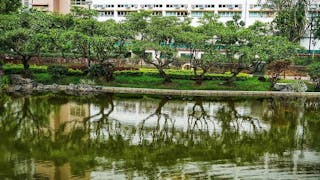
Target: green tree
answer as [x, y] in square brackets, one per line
[316, 28]
[23, 44]
[8, 6]
[138, 23]
[290, 20]
[105, 52]
[203, 54]
[164, 56]
[161, 41]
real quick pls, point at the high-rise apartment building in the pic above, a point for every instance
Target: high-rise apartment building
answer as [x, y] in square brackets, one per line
[250, 11]
[59, 6]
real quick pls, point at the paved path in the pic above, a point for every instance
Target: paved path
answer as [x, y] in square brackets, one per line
[208, 92]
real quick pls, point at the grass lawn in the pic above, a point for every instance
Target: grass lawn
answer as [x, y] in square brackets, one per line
[251, 84]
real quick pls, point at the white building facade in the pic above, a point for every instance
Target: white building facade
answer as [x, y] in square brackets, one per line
[250, 11]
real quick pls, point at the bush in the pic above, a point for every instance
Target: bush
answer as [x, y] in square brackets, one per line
[96, 71]
[78, 67]
[74, 72]
[314, 72]
[57, 71]
[4, 81]
[43, 78]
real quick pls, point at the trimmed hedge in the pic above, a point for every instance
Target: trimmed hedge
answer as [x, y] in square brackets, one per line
[180, 74]
[57, 71]
[18, 69]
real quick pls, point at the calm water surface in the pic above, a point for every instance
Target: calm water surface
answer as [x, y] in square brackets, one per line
[108, 137]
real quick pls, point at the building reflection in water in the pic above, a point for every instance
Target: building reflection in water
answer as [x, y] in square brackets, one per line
[220, 138]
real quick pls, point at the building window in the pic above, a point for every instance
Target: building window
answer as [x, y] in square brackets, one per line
[156, 13]
[260, 14]
[78, 2]
[107, 13]
[197, 14]
[176, 13]
[228, 13]
[77, 111]
[123, 13]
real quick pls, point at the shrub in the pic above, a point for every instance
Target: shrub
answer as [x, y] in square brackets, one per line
[96, 71]
[57, 71]
[314, 72]
[43, 78]
[78, 67]
[4, 82]
[75, 72]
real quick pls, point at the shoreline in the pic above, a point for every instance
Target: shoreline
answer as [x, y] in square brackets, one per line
[89, 89]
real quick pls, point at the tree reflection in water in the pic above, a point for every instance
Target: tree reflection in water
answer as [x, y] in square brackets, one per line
[97, 140]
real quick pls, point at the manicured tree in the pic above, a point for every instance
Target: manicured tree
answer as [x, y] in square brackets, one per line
[239, 46]
[275, 70]
[104, 50]
[22, 43]
[26, 37]
[197, 43]
[211, 58]
[164, 56]
[160, 40]
[58, 33]
[123, 35]
[87, 25]
[138, 23]
[276, 51]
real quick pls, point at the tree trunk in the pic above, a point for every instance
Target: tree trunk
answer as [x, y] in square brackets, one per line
[109, 69]
[231, 80]
[1, 69]
[25, 62]
[163, 74]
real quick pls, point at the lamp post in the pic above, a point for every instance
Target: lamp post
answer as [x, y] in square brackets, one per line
[89, 3]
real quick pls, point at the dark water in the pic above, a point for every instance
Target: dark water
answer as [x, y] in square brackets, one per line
[108, 137]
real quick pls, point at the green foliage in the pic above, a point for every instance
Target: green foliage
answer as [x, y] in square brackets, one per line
[291, 19]
[179, 74]
[81, 12]
[9, 6]
[74, 72]
[18, 69]
[314, 72]
[316, 28]
[43, 78]
[96, 71]
[4, 82]
[57, 71]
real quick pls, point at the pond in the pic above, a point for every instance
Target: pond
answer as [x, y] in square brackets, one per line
[120, 137]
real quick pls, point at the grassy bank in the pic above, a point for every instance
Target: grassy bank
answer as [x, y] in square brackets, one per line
[149, 78]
